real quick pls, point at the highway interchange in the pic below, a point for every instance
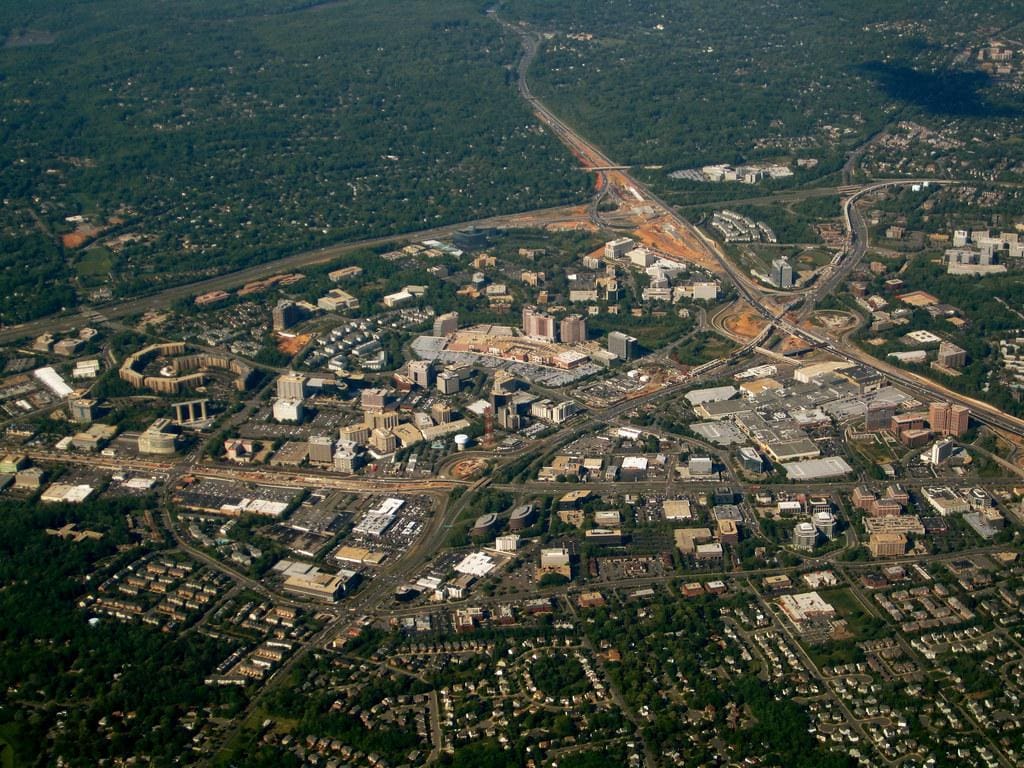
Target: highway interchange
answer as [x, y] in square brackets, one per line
[375, 599]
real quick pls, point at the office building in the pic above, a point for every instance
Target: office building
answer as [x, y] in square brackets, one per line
[373, 400]
[879, 415]
[782, 274]
[941, 451]
[887, 544]
[573, 329]
[825, 523]
[951, 356]
[319, 585]
[289, 411]
[751, 460]
[508, 543]
[441, 413]
[805, 536]
[346, 459]
[448, 382]
[336, 300]
[422, 373]
[948, 420]
[538, 325]
[616, 249]
[158, 438]
[287, 313]
[291, 386]
[623, 346]
[81, 410]
[321, 449]
[446, 324]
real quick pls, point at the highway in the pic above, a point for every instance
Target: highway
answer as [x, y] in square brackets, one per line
[230, 280]
[857, 240]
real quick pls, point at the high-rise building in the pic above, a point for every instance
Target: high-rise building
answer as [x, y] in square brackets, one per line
[321, 449]
[291, 386]
[287, 313]
[346, 459]
[538, 325]
[805, 536]
[941, 451]
[948, 420]
[290, 411]
[782, 274]
[422, 373]
[441, 413]
[448, 382]
[879, 415]
[373, 400]
[446, 324]
[623, 346]
[81, 410]
[573, 329]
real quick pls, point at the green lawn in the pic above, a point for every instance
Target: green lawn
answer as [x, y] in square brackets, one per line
[95, 262]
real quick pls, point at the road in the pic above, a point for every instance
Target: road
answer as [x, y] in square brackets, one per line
[168, 296]
[750, 291]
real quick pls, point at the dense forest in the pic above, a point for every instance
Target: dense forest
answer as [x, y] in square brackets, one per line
[673, 85]
[60, 676]
[221, 134]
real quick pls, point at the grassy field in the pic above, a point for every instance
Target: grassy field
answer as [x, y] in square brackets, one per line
[95, 262]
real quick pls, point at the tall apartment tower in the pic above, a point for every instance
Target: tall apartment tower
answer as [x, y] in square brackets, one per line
[291, 386]
[538, 325]
[573, 329]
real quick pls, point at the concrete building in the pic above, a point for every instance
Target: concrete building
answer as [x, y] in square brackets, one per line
[573, 329]
[321, 449]
[448, 382]
[158, 438]
[825, 523]
[191, 412]
[446, 324]
[947, 419]
[81, 410]
[373, 400]
[556, 561]
[616, 249]
[941, 451]
[887, 544]
[751, 460]
[337, 300]
[287, 313]
[508, 543]
[346, 459]
[623, 346]
[289, 411]
[383, 441]
[879, 415]
[319, 585]
[951, 356]
[422, 373]
[538, 325]
[291, 386]
[805, 536]
[782, 274]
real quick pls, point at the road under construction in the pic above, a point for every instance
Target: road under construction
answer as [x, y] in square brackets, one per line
[618, 177]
